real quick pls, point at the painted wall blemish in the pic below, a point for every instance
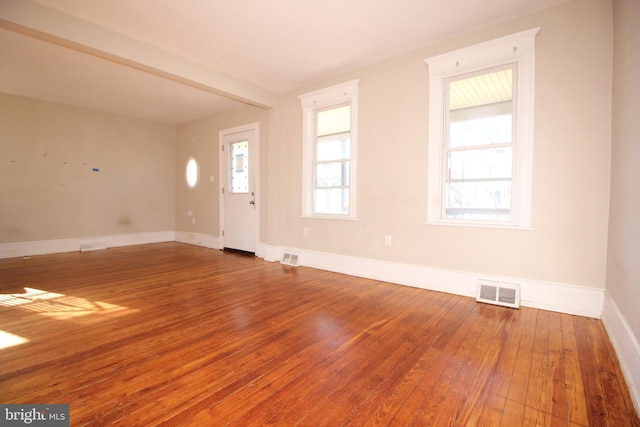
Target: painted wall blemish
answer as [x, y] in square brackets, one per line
[54, 187]
[124, 221]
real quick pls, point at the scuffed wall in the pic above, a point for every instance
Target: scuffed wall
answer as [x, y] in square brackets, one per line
[67, 172]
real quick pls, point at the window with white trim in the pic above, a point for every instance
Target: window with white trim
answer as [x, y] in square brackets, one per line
[481, 133]
[329, 151]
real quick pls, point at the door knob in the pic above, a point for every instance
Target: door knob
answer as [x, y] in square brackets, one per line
[252, 202]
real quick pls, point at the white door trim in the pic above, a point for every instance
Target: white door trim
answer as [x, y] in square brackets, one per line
[255, 164]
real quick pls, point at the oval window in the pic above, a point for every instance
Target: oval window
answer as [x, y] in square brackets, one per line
[192, 172]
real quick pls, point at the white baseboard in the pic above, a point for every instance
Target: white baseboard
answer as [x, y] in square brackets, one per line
[42, 247]
[626, 346]
[198, 239]
[559, 297]
[261, 250]
[213, 242]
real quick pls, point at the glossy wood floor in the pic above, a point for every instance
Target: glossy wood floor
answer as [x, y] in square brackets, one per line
[172, 334]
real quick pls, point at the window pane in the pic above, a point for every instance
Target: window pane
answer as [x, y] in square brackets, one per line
[496, 129]
[478, 183]
[332, 201]
[480, 164]
[335, 174]
[192, 173]
[333, 147]
[239, 167]
[479, 200]
[481, 109]
[335, 120]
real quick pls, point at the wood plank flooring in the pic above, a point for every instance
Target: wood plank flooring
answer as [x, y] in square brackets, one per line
[172, 334]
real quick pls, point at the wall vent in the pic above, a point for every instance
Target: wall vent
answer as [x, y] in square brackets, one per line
[290, 258]
[86, 247]
[498, 293]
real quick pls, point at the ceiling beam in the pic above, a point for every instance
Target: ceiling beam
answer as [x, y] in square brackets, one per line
[40, 22]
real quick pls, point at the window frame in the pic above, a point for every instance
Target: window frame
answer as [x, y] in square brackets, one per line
[519, 50]
[192, 161]
[321, 100]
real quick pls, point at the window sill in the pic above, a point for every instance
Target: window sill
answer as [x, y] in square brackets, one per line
[338, 217]
[480, 225]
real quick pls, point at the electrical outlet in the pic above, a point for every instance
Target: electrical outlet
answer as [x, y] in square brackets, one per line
[305, 231]
[193, 220]
[387, 240]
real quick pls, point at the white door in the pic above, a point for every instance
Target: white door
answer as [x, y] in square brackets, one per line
[239, 214]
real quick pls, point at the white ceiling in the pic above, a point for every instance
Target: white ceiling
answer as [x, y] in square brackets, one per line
[272, 46]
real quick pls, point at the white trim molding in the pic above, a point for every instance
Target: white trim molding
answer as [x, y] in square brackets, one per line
[198, 239]
[559, 297]
[43, 247]
[517, 50]
[333, 96]
[625, 345]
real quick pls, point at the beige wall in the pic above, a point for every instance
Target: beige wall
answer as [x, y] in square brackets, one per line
[570, 184]
[48, 189]
[200, 139]
[623, 266]
[571, 161]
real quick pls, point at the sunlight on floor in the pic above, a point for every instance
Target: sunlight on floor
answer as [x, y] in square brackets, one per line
[9, 340]
[59, 306]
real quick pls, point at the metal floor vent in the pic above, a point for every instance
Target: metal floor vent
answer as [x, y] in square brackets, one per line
[505, 294]
[290, 258]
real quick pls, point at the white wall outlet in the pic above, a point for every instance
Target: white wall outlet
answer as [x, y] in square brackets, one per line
[305, 231]
[387, 240]
[193, 220]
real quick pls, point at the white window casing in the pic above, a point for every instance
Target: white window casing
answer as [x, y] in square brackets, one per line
[518, 49]
[333, 96]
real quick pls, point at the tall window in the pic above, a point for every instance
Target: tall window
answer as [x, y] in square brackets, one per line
[329, 151]
[481, 133]
[331, 162]
[479, 146]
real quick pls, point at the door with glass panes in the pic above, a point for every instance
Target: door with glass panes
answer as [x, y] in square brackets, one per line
[239, 213]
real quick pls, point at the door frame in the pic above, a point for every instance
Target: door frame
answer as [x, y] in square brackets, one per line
[254, 166]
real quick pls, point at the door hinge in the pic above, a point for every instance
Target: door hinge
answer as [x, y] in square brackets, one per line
[222, 190]
[222, 233]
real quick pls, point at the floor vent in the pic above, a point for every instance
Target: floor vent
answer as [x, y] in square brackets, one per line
[86, 247]
[505, 294]
[290, 258]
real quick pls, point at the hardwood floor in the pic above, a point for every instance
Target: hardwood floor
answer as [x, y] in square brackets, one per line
[172, 334]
